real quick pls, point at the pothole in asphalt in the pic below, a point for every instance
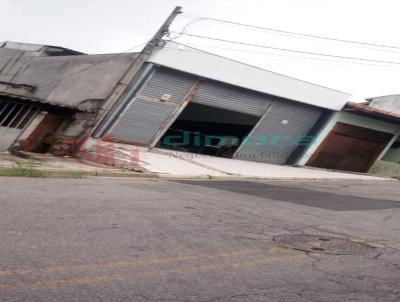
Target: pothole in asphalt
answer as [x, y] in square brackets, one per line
[324, 244]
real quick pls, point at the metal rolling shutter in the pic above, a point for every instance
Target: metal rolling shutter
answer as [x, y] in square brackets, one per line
[232, 98]
[147, 114]
[167, 81]
[261, 146]
[141, 121]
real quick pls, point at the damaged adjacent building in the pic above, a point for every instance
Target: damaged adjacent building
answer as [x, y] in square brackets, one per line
[183, 99]
[49, 96]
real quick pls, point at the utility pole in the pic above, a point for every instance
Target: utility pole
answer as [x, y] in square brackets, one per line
[133, 71]
[163, 30]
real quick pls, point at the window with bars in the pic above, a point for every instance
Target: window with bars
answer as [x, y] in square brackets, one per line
[16, 115]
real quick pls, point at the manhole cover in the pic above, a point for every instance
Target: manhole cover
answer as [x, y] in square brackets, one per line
[324, 244]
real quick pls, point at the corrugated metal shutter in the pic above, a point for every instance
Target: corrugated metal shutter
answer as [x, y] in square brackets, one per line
[232, 98]
[273, 139]
[168, 81]
[141, 121]
[147, 115]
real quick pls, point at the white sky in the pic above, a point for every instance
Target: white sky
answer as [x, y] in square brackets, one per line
[102, 26]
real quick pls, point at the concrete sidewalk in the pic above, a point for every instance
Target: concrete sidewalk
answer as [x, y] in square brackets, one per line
[160, 163]
[171, 163]
[217, 167]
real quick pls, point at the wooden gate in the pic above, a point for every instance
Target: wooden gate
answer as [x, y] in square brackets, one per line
[350, 148]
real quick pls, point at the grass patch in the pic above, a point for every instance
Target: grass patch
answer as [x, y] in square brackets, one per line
[29, 171]
[21, 171]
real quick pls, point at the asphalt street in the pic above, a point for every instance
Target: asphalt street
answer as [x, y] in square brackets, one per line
[206, 241]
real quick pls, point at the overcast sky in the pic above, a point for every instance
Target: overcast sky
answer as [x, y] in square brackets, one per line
[103, 26]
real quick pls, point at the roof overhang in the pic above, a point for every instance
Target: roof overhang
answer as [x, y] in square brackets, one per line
[372, 112]
[211, 66]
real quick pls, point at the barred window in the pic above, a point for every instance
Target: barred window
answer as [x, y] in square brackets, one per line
[16, 115]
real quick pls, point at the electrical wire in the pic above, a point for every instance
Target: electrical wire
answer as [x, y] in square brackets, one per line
[287, 49]
[200, 18]
[287, 55]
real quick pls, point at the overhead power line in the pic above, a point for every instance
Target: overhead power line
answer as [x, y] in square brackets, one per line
[292, 56]
[288, 49]
[295, 33]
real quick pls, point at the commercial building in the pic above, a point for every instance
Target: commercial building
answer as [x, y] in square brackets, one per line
[191, 100]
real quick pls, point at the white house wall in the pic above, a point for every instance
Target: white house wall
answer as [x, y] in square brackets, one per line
[221, 69]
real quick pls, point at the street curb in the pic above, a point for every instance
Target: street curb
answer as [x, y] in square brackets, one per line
[223, 177]
[124, 174]
[145, 175]
[178, 176]
[43, 173]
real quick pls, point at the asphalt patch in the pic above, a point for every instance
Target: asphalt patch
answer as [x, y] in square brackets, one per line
[324, 244]
[306, 197]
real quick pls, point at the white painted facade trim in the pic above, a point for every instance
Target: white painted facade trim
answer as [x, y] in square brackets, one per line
[222, 69]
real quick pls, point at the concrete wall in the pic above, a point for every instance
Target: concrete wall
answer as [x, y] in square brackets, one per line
[352, 119]
[392, 155]
[389, 103]
[78, 124]
[8, 137]
[385, 168]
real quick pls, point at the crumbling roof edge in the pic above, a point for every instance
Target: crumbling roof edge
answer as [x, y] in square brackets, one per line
[18, 85]
[39, 47]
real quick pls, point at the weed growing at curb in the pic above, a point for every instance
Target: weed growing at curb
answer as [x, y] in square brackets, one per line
[21, 171]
